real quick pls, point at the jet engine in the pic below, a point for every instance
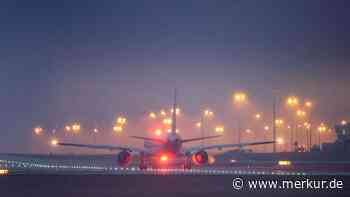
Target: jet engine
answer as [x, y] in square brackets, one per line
[200, 158]
[124, 158]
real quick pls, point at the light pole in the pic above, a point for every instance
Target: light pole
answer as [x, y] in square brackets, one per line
[239, 98]
[322, 128]
[309, 105]
[95, 133]
[266, 130]
[277, 124]
[292, 102]
[206, 114]
[274, 120]
[300, 113]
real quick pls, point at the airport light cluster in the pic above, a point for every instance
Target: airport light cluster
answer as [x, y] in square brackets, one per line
[294, 126]
[73, 128]
[279, 122]
[322, 128]
[167, 121]
[120, 124]
[292, 101]
[300, 113]
[76, 128]
[219, 129]
[208, 113]
[240, 97]
[177, 111]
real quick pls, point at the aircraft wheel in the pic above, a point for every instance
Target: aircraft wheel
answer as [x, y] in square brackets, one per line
[142, 167]
[187, 165]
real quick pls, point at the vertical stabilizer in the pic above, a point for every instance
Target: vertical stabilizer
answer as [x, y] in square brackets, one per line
[173, 120]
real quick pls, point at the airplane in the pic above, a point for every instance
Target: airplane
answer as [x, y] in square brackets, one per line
[166, 152]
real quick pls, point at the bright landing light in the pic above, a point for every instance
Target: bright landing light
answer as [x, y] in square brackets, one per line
[164, 158]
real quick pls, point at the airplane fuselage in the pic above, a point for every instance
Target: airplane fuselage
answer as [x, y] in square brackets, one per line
[173, 144]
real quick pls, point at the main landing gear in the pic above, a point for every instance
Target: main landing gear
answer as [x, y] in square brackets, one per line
[188, 164]
[143, 164]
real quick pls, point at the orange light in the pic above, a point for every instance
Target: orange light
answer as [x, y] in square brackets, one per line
[76, 128]
[162, 112]
[284, 162]
[240, 97]
[4, 171]
[280, 141]
[118, 129]
[279, 122]
[54, 142]
[258, 116]
[121, 120]
[219, 129]
[292, 101]
[308, 104]
[177, 111]
[152, 115]
[208, 113]
[301, 113]
[167, 121]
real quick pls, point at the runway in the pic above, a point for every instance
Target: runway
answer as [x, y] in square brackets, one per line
[27, 164]
[81, 176]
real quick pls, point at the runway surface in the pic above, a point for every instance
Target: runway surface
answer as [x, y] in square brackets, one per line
[57, 165]
[83, 177]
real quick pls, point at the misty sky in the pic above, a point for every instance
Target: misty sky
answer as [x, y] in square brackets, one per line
[90, 60]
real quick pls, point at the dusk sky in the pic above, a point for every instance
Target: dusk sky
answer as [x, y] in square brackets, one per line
[90, 60]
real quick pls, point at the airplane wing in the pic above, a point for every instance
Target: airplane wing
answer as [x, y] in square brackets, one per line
[103, 147]
[199, 138]
[149, 139]
[222, 146]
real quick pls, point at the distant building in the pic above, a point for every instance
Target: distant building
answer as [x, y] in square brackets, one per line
[342, 143]
[343, 132]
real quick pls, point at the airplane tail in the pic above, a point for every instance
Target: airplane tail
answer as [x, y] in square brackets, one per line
[173, 119]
